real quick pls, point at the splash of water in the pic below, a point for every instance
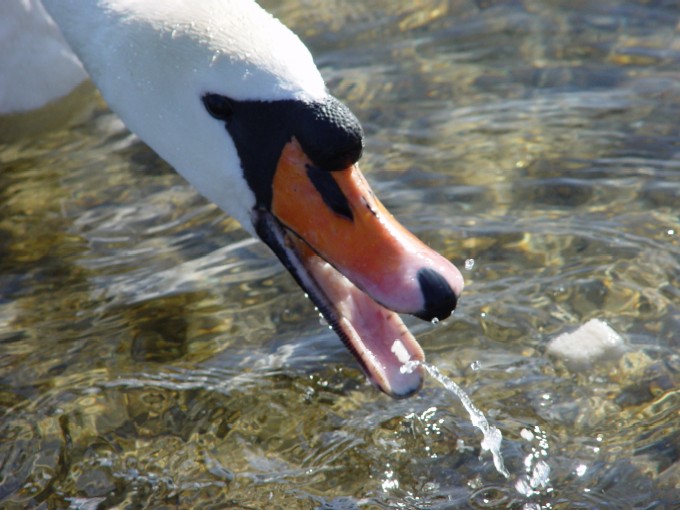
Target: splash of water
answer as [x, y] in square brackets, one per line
[492, 436]
[537, 477]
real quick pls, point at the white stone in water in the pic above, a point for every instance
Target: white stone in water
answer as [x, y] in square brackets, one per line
[592, 342]
[400, 351]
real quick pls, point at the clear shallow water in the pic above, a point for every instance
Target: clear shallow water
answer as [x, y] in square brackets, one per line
[151, 356]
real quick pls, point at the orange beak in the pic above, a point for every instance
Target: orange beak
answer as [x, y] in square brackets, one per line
[339, 217]
[358, 264]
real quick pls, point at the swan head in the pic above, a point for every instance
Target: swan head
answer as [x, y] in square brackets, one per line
[233, 101]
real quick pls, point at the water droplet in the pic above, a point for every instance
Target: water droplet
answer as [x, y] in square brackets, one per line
[435, 320]
[475, 366]
[216, 56]
[409, 367]
[469, 264]
[400, 351]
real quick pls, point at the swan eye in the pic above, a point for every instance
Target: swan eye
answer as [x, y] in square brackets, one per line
[219, 107]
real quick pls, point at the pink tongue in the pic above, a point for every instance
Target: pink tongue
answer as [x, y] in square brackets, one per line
[378, 336]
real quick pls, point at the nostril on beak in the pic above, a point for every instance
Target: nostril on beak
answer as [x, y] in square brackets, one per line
[439, 298]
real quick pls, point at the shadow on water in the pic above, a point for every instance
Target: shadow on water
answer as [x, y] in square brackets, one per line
[152, 356]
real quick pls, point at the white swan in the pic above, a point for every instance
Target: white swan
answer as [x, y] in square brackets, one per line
[233, 101]
[36, 64]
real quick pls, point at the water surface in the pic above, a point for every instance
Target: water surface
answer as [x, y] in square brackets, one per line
[153, 356]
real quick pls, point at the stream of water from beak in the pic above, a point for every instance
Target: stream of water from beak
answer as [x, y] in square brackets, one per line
[492, 436]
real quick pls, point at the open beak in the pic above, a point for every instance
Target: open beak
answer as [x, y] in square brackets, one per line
[357, 264]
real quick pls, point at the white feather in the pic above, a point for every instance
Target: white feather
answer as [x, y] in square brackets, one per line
[36, 64]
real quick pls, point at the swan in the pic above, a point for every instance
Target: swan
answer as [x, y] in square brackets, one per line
[231, 98]
[36, 65]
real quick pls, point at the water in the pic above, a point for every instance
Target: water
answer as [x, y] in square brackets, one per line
[536, 479]
[492, 436]
[153, 356]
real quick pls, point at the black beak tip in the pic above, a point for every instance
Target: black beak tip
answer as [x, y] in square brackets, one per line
[439, 298]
